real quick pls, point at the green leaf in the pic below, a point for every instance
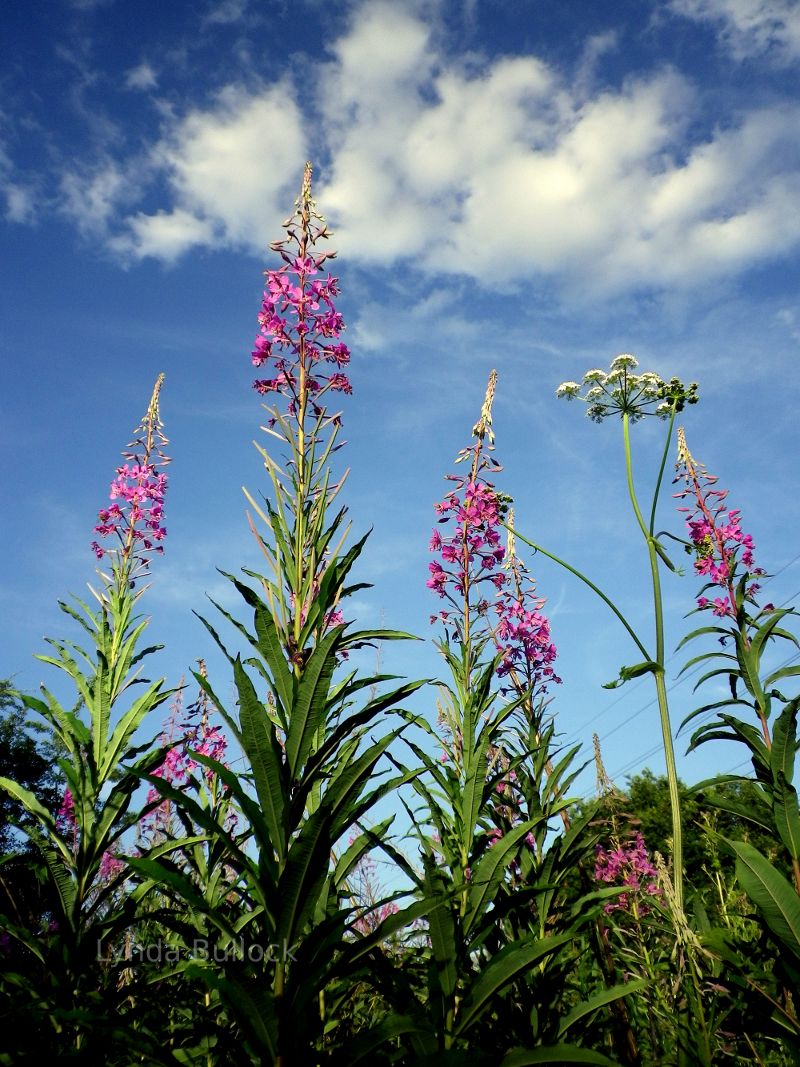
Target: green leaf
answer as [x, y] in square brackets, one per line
[303, 876]
[310, 701]
[556, 1054]
[114, 750]
[784, 672]
[626, 674]
[63, 878]
[787, 817]
[771, 893]
[606, 996]
[442, 930]
[368, 1041]
[261, 747]
[363, 844]
[500, 971]
[784, 742]
[488, 873]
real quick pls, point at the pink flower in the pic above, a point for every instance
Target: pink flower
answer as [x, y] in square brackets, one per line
[299, 326]
[627, 865]
[110, 866]
[135, 517]
[66, 813]
[715, 533]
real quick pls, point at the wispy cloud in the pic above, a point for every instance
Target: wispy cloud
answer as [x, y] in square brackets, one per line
[225, 13]
[91, 198]
[141, 77]
[750, 28]
[18, 194]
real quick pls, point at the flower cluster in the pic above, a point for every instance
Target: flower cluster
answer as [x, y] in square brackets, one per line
[299, 326]
[110, 866]
[136, 514]
[627, 865]
[471, 557]
[715, 534]
[620, 391]
[185, 732]
[65, 819]
[67, 824]
[473, 551]
[522, 634]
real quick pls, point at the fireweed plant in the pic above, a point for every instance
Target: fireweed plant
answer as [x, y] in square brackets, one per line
[744, 631]
[501, 932]
[620, 392]
[290, 945]
[62, 971]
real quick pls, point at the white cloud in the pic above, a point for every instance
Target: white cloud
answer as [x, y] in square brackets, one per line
[749, 28]
[142, 77]
[507, 171]
[502, 171]
[20, 201]
[226, 12]
[91, 199]
[165, 235]
[232, 171]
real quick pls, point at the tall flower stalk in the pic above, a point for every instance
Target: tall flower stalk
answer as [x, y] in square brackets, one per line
[299, 340]
[493, 867]
[310, 758]
[724, 556]
[622, 392]
[102, 759]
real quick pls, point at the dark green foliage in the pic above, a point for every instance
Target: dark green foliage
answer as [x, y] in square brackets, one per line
[27, 755]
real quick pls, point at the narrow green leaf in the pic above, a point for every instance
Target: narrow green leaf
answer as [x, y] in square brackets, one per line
[626, 674]
[310, 701]
[557, 1054]
[500, 971]
[261, 747]
[771, 893]
[442, 930]
[599, 1000]
[489, 871]
[303, 876]
[787, 817]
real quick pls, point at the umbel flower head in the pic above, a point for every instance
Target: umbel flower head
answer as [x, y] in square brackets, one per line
[135, 517]
[621, 391]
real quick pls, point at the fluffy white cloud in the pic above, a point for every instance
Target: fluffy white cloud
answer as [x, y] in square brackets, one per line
[504, 171]
[165, 235]
[231, 171]
[750, 27]
[500, 170]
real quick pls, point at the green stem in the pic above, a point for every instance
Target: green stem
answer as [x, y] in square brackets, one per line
[626, 433]
[586, 581]
[661, 688]
[661, 469]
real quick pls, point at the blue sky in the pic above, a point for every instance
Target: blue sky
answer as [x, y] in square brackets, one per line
[527, 186]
